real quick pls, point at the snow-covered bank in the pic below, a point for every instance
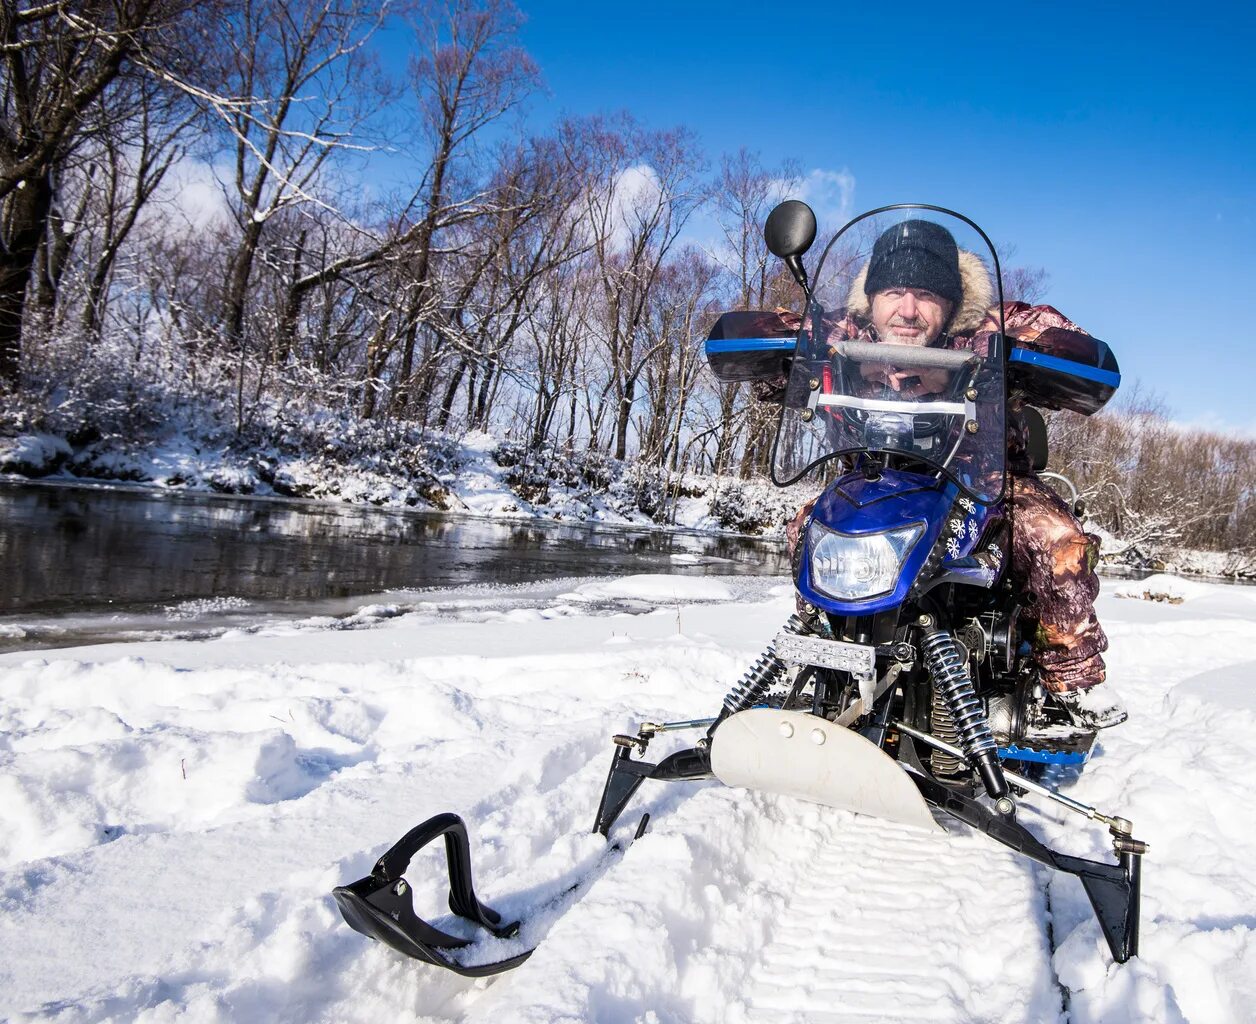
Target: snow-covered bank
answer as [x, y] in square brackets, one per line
[403, 468]
[176, 814]
[477, 475]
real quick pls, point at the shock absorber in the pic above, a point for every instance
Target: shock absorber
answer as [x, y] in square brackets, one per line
[951, 680]
[759, 678]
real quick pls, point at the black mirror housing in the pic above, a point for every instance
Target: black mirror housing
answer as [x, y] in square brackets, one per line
[790, 229]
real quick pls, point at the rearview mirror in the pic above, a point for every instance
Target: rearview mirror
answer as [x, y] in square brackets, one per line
[789, 231]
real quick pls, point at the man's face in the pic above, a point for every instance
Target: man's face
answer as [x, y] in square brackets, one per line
[909, 316]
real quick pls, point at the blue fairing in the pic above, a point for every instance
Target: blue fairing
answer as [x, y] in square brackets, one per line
[855, 505]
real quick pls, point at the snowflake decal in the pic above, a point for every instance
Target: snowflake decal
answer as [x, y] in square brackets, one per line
[973, 529]
[997, 552]
[967, 505]
[952, 548]
[957, 527]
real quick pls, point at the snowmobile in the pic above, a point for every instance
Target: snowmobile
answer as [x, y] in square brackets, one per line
[902, 687]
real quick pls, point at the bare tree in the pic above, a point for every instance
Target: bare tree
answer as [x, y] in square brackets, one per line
[58, 59]
[681, 316]
[641, 191]
[123, 176]
[744, 196]
[1021, 283]
[470, 74]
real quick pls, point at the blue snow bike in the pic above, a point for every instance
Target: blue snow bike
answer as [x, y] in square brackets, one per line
[902, 687]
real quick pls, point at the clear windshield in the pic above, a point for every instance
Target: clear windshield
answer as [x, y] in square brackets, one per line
[900, 353]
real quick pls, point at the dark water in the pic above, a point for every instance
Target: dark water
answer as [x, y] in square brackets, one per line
[71, 550]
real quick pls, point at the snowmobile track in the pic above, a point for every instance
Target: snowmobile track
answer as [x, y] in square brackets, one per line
[880, 930]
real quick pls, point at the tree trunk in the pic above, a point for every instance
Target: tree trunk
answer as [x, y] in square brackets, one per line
[238, 282]
[483, 402]
[25, 222]
[451, 392]
[623, 419]
[292, 304]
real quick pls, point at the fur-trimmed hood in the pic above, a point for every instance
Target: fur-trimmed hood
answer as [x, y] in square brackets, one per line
[973, 308]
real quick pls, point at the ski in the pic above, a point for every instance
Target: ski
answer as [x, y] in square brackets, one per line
[381, 905]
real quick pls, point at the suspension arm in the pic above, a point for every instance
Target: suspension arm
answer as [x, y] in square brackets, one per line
[1114, 890]
[626, 776]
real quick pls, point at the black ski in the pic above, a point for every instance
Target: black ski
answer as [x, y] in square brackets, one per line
[381, 905]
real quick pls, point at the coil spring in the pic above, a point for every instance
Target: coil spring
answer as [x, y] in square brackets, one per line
[942, 725]
[950, 679]
[759, 678]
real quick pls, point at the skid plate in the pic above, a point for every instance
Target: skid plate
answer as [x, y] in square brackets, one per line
[810, 758]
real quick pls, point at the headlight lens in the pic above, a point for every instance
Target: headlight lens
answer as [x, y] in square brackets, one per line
[856, 566]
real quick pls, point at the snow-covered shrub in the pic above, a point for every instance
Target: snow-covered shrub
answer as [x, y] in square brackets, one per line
[33, 455]
[753, 506]
[640, 489]
[509, 452]
[597, 469]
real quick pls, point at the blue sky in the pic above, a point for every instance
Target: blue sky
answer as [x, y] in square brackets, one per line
[1113, 144]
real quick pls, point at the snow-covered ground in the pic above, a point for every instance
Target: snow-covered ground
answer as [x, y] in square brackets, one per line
[173, 817]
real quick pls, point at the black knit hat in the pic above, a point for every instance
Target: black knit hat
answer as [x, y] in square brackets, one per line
[916, 254]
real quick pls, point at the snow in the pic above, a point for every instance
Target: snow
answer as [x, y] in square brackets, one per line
[1162, 587]
[33, 454]
[474, 474]
[174, 815]
[656, 587]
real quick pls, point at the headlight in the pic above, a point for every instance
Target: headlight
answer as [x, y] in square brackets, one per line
[852, 567]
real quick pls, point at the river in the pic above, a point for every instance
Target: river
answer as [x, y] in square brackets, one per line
[86, 564]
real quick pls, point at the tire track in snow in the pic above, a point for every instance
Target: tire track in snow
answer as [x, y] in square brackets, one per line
[889, 924]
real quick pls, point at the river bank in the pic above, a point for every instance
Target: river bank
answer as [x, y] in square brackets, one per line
[476, 475]
[392, 467]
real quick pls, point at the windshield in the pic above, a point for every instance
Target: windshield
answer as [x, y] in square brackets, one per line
[900, 352]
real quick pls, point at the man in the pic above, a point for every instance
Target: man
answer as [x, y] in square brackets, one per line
[920, 288]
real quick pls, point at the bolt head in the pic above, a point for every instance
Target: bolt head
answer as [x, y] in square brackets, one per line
[818, 737]
[786, 729]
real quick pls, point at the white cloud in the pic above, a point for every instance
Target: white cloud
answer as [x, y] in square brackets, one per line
[831, 194]
[1213, 423]
[191, 197]
[635, 188]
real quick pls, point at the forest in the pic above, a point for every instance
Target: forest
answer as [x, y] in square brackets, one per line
[255, 225]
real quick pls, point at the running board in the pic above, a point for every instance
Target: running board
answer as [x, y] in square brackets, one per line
[1115, 890]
